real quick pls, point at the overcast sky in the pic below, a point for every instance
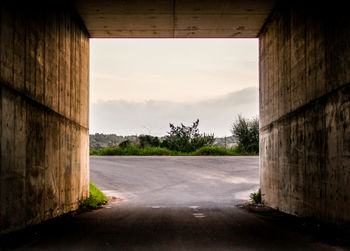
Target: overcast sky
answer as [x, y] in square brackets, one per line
[139, 86]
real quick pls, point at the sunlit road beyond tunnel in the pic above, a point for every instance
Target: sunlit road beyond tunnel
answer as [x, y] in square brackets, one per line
[176, 181]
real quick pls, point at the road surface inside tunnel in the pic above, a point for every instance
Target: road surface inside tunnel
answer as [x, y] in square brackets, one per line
[171, 203]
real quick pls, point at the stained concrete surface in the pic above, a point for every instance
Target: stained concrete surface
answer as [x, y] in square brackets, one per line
[44, 112]
[174, 19]
[305, 110]
[148, 223]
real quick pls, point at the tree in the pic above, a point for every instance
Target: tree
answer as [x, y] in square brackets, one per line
[148, 140]
[125, 144]
[186, 138]
[247, 134]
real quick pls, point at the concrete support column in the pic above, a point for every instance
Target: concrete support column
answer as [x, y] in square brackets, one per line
[44, 101]
[305, 111]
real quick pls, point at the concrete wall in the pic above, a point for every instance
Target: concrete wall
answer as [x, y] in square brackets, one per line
[44, 101]
[305, 111]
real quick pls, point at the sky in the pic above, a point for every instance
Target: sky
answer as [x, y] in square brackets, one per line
[139, 86]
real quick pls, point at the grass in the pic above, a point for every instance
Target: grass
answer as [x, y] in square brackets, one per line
[218, 151]
[149, 151]
[256, 197]
[96, 198]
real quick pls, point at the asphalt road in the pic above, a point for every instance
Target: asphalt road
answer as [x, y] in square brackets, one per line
[175, 203]
[176, 181]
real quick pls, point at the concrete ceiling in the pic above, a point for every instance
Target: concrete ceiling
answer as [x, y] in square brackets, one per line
[174, 18]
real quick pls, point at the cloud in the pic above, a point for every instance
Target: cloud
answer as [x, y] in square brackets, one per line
[153, 117]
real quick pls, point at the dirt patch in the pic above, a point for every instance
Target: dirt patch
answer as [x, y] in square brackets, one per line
[115, 199]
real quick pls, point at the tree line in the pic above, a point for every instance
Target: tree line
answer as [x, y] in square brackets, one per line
[188, 139]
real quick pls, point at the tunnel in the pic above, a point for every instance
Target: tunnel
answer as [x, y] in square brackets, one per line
[304, 95]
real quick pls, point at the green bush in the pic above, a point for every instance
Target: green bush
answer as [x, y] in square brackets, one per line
[148, 141]
[110, 151]
[186, 138]
[247, 134]
[94, 152]
[124, 144]
[131, 150]
[219, 151]
[95, 200]
[213, 151]
[155, 151]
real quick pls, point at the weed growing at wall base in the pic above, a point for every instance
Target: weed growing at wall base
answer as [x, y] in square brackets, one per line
[96, 198]
[256, 197]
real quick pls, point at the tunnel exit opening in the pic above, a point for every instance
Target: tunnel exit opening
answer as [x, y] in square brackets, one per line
[139, 86]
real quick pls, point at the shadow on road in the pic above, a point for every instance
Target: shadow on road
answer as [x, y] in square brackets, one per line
[177, 203]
